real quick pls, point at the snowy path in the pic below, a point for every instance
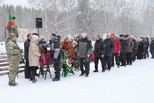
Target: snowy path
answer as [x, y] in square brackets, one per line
[131, 84]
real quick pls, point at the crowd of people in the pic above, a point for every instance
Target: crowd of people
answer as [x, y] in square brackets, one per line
[112, 50]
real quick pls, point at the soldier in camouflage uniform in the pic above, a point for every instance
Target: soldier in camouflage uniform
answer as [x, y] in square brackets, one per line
[13, 57]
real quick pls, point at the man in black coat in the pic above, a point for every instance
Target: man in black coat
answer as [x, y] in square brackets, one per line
[140, 50]
[146, 47]
[134, 54]
[97, 53]
[123, 50]
[84, 48]
[107, 48]
[56, 52]
[26, 52]
[152, 48]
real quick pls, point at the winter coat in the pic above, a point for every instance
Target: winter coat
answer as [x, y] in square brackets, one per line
[68, 48]
[97, 48]
[123, 46]
[117, 46]
[145, 45]
[84, 47]
[130, 45]
[13, 51]
[26, 49]
[107, 47]
[151, 45]
[141, 46]
[34, 54]
[135, 45]
[55, 48]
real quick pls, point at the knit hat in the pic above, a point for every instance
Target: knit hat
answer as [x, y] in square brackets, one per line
[83, 35]
[35, 37]
[53, 34]
[112, 34]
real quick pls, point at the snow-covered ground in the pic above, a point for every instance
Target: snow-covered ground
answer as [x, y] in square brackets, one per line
[131, 84]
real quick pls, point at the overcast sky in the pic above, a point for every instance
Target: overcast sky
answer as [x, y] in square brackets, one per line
[16, 2]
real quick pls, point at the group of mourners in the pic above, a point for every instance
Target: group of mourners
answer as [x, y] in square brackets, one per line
[112, 50]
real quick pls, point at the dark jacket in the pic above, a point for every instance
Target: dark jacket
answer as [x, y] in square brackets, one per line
[152, 45]
[123, 46]
[55, 47]
[107, 47]
[135, 45]
[26, 49]
[140, 47]
[97, 46]
[84, 47]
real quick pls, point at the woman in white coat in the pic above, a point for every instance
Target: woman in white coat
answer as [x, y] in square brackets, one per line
[34, 56]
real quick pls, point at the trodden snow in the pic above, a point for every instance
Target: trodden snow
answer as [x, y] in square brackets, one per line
[131, 84]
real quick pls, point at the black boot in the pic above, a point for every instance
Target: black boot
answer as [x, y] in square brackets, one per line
[87, 75]
[56, 79]
[33, 81]
[81, 74]
[103, 70]
[95, 70]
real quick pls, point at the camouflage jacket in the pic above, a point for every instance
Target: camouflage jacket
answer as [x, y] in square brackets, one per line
[13, 51]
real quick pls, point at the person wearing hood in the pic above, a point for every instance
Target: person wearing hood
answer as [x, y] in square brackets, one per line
[34, 56]
[84, 48]
[56, 54]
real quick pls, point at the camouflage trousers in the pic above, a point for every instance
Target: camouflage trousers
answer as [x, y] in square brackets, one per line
[13, 71]
[76, 63]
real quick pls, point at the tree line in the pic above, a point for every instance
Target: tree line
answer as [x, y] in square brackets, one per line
[76, 16]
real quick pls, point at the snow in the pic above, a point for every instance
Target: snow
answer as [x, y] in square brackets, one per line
[131, 84]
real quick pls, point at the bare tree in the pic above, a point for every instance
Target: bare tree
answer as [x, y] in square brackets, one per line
[90, 16]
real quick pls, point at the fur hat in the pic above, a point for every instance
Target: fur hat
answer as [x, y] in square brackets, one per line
[35, 37]
[83, 35]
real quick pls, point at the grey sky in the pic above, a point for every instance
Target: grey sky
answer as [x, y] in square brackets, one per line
[16, 2]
